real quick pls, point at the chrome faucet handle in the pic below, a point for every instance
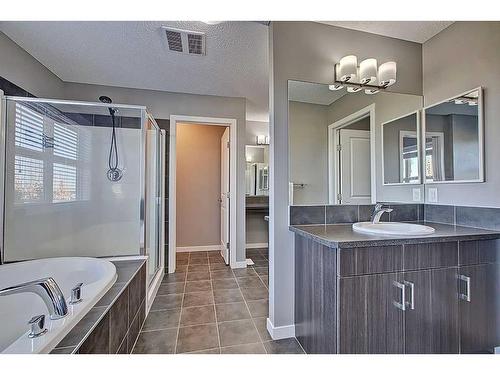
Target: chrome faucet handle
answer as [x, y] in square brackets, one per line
[76, 294]
[37, 326]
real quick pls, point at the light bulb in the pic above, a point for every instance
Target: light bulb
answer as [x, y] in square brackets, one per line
[348, 68]
[387, 74]
[368, 71]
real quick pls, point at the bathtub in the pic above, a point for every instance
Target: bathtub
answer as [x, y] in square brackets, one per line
[97, 276]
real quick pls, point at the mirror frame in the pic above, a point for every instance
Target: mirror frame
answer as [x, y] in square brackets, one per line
[480, 121]
[417, 114]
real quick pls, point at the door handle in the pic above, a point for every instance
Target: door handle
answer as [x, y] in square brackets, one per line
[411, 304]
[465, 296]
[400, 305]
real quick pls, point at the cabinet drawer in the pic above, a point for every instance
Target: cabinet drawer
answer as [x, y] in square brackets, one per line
[430, 255]
[478, 252]
[370, 260]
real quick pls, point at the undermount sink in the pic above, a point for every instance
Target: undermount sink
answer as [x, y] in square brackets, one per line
[392, 229]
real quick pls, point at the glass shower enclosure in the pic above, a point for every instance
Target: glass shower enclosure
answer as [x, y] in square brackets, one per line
[71, 188]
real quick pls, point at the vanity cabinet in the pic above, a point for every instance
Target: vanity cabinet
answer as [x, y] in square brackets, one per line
[479, 296]
[409, 298]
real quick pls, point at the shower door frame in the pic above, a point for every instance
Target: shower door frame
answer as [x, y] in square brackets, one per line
[3, 153]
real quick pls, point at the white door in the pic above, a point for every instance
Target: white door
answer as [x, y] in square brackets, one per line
[224, 195]
[354, 167]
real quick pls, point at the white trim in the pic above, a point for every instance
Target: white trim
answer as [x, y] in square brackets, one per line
[125, 258]
[189, 249]
[240, 264]
[280, 332]
[233, 168]
[480, 137]
[256, 245]
[333, 162]
[153, 288]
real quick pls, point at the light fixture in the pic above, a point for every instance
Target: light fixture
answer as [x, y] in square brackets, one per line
[368, 71]
[348, 68]
[336, 72]
[366, 76]
[387, 74]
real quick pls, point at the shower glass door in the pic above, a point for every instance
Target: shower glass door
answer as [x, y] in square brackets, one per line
[153, 219]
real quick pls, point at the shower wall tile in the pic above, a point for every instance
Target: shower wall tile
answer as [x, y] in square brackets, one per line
[302, 215]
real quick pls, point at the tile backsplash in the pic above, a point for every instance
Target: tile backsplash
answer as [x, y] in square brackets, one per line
[477, 217]
[337, 214]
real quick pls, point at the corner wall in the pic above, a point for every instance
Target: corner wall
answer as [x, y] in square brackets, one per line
[464, 56]
[307, 51]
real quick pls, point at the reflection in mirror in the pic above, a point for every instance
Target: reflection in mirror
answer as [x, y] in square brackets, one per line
[453, 140]
[401, 151]
[257, 170]
[335, 145]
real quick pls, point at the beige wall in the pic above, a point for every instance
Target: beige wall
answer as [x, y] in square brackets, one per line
[464, 56]
[198, 184]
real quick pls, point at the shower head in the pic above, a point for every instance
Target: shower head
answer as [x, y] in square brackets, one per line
[105, 99]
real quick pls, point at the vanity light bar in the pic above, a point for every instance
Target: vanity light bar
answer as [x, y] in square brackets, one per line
[366, 76]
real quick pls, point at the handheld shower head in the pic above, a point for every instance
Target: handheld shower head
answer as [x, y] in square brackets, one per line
[114, 173]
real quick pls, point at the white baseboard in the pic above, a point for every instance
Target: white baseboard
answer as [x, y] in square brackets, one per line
[242, 264]
[257, 245]
[188, 249]
[281, 332]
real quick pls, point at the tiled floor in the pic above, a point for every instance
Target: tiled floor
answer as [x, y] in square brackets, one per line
[206, 307]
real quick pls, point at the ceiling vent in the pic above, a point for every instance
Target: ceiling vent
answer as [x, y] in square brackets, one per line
[185, 41]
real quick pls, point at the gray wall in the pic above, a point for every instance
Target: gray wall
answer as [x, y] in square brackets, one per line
[308, 129]
[462, 57]
[20, 68]
[255, 128]
[391, 137]
[307, 51]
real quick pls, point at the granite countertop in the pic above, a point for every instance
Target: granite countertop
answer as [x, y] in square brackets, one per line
[342, 235]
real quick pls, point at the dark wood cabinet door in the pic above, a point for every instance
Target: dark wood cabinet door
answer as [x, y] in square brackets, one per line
[369, 320]
[479, 306]
[431, 316]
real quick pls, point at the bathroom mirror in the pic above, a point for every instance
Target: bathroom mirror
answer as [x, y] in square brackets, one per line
[257, 170]
[335, 145]
[454, 139]
[401, 150]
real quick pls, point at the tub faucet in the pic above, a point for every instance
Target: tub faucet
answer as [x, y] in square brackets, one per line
[48, 290]
[378, 211]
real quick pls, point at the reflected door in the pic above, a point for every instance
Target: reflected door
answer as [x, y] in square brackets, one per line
[224, 195]
[354, 168]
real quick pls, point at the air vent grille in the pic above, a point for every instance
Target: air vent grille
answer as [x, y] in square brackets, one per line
[184, 41]
[174, 40]
[195, 42]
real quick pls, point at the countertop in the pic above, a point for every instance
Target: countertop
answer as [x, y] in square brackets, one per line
[342, 235]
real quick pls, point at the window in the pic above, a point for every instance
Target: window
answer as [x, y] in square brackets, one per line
[47, 163]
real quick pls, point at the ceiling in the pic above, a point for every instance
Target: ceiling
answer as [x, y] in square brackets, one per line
[135, 55]
[414, 31]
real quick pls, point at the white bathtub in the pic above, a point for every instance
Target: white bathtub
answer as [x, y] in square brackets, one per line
[97, 276]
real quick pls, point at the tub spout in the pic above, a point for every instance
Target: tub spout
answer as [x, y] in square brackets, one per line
[48, 290]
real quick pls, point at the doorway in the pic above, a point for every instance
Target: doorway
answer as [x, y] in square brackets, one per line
[351, 157]
[187, 228]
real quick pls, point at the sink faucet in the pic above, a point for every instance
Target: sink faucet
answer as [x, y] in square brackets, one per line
[378, 211]
[48, 290]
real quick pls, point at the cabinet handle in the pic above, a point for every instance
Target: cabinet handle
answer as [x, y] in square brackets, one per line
[411, 285]
[400, 305]
[465, 296]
